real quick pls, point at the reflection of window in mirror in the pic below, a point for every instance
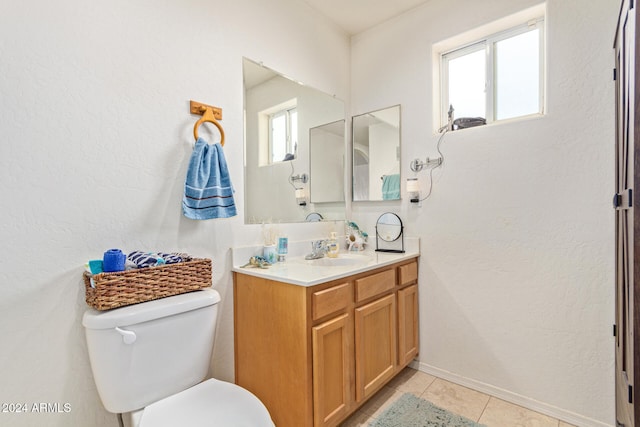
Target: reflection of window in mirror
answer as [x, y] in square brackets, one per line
[279, 136]
[283, 135]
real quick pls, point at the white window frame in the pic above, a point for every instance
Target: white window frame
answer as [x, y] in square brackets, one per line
[488, 44]
[286, 112]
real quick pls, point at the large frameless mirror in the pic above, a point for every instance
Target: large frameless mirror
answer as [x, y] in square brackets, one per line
[376, 155]
[294, 146]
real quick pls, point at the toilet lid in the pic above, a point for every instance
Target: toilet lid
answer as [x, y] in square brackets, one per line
[210, 403]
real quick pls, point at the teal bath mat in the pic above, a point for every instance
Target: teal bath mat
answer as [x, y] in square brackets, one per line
[411, 411]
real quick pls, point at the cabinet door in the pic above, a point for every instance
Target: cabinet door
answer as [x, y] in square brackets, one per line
[332, 356]
[407, 324]
[375, 337]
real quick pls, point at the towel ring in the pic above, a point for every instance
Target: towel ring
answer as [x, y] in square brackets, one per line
[208, 117]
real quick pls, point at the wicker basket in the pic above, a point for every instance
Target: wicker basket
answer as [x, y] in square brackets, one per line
[122, 288]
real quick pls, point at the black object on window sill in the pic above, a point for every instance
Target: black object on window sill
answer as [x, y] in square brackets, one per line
[468, 122]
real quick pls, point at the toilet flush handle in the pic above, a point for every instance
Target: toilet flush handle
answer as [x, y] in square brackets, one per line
[128, 337]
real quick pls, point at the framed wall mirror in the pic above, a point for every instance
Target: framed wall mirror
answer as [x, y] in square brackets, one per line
[376, 155]
[294, 141]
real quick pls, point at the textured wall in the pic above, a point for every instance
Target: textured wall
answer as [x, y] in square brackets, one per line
[517, 278]
[96, 137]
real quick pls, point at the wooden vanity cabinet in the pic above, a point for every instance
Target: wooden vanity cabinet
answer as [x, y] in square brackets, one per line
[332, 361]
[375, 332]
[332, 353]
[313, 355]
[376, 348]
[408, 343]
[407, 324]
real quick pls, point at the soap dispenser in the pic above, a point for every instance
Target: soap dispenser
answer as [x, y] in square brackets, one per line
[283, 248]
[332, 246]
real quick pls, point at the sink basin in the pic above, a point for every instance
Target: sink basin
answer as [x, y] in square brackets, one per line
[340, 261]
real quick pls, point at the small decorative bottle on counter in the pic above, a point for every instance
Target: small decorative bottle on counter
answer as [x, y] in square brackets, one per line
[333, 248]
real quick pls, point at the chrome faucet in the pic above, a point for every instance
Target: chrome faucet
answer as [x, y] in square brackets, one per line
[318, 249]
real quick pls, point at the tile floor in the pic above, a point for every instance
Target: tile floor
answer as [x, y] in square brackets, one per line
[471, 404]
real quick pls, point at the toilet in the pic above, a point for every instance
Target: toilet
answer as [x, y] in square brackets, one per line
[149, 361]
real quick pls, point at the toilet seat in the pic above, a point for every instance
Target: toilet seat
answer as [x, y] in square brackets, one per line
[210, 403]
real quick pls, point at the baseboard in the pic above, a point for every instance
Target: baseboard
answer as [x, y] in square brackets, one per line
[526, 402]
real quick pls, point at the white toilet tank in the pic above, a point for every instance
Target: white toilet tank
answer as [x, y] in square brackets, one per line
[145, 352]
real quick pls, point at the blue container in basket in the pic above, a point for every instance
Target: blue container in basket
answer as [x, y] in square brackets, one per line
[113, 260]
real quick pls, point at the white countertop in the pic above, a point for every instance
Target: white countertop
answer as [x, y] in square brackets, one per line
[298, 271]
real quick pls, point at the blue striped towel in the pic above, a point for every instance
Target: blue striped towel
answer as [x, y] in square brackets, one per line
[147, 259]
[208, 192]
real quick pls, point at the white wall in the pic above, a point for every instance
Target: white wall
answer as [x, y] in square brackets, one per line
[516, 273]
[96, 138]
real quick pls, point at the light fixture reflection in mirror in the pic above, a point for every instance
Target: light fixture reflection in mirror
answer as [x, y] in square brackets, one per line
[270, 96]
[301, 197]
[376, 155]
[413, 189]
[300, 194]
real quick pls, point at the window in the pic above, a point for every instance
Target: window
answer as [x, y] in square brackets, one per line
[283, 135]
[499, 77]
